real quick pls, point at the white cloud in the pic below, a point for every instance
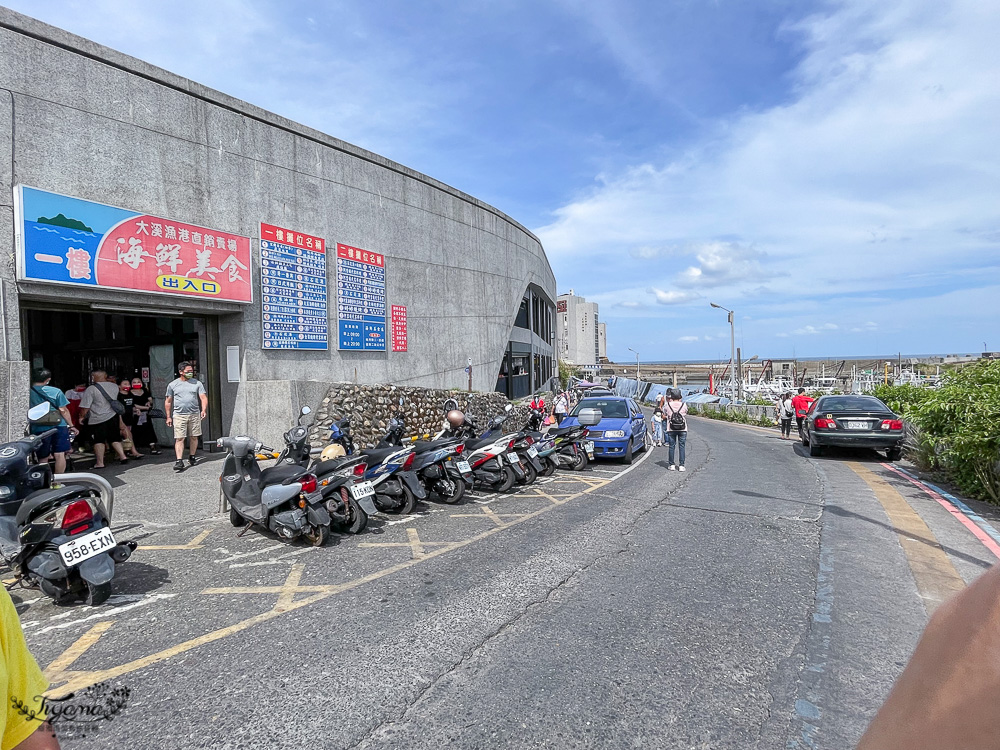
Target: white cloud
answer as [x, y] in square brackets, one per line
[722, 263]
[890, 137]
[688, 339]
[865, 327]
[813, 330]
[673, 297]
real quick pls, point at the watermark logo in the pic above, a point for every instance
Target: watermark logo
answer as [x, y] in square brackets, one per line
[76, 714]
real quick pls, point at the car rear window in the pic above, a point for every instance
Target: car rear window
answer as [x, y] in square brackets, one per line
[614, 409]
[851, 403]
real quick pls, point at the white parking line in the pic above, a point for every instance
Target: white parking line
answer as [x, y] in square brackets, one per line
[250, 554]
[104, 613]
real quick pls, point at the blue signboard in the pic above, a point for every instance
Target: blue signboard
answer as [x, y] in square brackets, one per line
[361, 299]
[293, 290]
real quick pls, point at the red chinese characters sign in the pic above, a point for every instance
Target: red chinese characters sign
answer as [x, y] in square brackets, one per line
[65, 240]
[362, 256]
[149, 254]
[398, 328]
[288, 237]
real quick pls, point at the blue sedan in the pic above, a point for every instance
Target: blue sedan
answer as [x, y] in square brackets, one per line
[622, 431]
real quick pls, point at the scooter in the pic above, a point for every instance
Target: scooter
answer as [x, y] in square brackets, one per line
[494, 462]
[567, 447]
[438, 464]
[282, 498]
[55, 530]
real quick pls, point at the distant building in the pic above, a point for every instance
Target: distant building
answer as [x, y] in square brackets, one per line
[578, 339]
[602, 342]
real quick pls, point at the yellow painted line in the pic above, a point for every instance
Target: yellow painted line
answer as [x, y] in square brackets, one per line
[932, 569]
[77, 680]
[64, 661]
[195, 543]
[488, 512]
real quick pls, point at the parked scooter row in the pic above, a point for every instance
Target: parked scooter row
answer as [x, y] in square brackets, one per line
[305, 496]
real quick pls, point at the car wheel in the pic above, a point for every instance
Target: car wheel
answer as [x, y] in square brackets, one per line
[645, 441]
[815, 450]
[627, 458]
[894, 454]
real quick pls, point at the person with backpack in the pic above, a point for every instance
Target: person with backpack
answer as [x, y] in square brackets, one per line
[785, 413]
[675, 418]
[59, 443]
[102, 411]
[659, 438]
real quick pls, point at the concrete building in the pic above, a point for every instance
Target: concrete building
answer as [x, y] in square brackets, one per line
[146, 219]
[602, 343]
[577, 331]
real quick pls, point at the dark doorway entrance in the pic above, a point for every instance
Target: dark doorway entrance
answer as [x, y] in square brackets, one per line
[73, 343]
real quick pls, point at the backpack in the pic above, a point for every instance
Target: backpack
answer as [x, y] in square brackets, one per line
[676, 422]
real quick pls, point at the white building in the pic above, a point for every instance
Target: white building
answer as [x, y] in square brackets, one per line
[602, 342]
[577, 331]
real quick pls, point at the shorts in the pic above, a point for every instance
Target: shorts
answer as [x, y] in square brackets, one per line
[187, 425]
[106, 432]
[57, 442]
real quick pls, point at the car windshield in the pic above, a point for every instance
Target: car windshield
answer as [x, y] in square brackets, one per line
[851, 403]
[609, 408]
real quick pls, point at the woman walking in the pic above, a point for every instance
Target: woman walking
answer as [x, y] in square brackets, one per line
[142, 430]
[675, 418]
[128, 416]
[786, 412]
[658, 436]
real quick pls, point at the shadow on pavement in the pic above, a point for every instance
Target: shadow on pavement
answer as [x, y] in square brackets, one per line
[133, 577]
[862, 455]
[748, 493]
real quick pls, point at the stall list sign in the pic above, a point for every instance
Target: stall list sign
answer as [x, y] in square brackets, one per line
[361, 299]
[293, 289]
[63, 240]
[398, 328]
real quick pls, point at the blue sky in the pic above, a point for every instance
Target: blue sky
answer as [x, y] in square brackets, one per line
[828, 170]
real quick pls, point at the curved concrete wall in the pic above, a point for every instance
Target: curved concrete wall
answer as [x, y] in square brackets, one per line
[83, 120]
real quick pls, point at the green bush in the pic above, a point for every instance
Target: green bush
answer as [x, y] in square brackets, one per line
[955, 428]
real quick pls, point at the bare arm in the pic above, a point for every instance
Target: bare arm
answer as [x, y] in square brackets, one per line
[947, 695]
[204, 404]
[43, 738]
[168, 407]
[67, 416]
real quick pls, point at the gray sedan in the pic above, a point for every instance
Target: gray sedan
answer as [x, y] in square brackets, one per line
[851, 421]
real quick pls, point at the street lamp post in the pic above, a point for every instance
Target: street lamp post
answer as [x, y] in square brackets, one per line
[636, 363]
[732, 348]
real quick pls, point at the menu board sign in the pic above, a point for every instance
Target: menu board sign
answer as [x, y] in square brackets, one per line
[293, 289]
[360, 299]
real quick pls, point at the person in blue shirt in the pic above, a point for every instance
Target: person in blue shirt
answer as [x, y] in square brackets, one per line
[60, 443]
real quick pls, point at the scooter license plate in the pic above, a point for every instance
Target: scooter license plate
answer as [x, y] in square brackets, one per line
[78, 550]
[362, 489]
[463, 466]
[533, 452]
[513, 458]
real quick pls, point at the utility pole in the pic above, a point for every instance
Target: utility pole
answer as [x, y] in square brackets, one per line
[732, 346]
[636, 363]
[469, 370]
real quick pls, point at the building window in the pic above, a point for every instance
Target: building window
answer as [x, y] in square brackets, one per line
[521, 321]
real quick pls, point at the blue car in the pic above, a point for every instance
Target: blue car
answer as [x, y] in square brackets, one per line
[622, 431]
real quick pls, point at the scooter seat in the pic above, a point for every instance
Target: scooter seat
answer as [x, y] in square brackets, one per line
[477, 443]
[562, 430]
[422, 446]
[43, 500]
[333, 464]
[282, 474]
[378, 455]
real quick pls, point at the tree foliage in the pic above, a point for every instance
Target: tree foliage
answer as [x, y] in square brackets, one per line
[955, 428]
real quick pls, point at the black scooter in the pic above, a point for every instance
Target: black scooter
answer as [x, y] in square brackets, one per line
[55, 530]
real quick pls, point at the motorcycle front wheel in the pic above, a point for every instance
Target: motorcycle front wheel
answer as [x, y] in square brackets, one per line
[408, 504]
[235, 518]
[549, 468]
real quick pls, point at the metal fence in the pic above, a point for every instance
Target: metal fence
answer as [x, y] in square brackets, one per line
[753, 411]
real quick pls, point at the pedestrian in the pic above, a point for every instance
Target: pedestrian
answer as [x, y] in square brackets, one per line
[128, 416]
[186, 405]
[801, 403]
[785, 413]
[561, 408]
[59, 443]
[659, 436]
[675, 418]
[101, 411]
[142, 429]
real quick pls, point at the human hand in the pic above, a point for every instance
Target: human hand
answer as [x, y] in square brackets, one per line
[170, 422]
[946, 696]
[202, 413]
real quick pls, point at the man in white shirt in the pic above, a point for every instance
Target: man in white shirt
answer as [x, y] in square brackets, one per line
[104, 422]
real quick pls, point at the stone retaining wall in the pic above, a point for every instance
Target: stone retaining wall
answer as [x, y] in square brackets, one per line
[370, 407]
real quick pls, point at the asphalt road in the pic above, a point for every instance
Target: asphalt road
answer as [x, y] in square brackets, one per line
[762, 599]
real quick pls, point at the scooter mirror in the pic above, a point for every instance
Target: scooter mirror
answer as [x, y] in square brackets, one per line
[37, 412]
[306, 410]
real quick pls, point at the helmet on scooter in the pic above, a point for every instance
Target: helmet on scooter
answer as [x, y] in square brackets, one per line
[336, 450]
[455, 418]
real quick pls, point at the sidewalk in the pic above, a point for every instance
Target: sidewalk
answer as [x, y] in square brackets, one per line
[149, 491]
